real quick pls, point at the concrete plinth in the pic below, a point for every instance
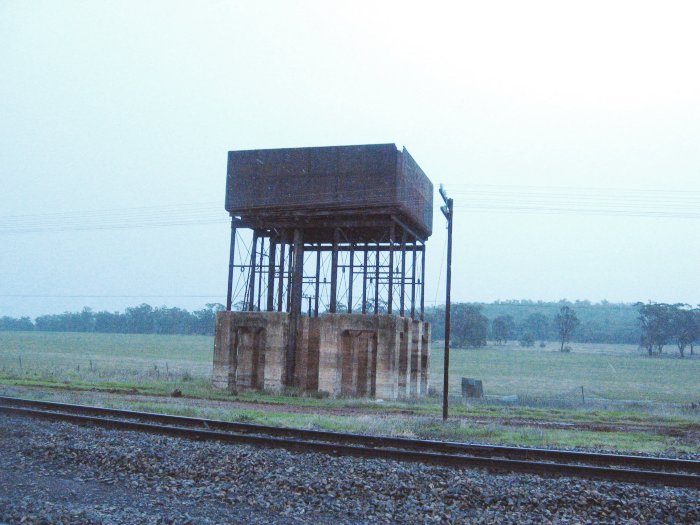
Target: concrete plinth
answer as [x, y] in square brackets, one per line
[249, 349]
[352, 355]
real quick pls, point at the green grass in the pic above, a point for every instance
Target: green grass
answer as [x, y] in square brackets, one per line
[606, 372]
[622, 386]
[539, 377]
[424, 427]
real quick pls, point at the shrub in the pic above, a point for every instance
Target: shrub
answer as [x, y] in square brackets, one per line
[527, 340]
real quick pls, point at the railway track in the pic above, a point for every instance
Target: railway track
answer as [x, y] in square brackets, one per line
[546, 462]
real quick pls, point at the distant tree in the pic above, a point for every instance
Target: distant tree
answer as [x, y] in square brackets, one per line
[240, 306]
[382, 307]
[527, 340]
[501, 328]
[171, 321]
[67, 322]
[110, 322]
[696, 330]
[537, 324]
[139, 319]
[16, 324]
[657, 323]
[565, 322]
[204, 320]
[683, 326]
[469, 326]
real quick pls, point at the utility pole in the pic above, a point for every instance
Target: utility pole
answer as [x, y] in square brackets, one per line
[447, 211]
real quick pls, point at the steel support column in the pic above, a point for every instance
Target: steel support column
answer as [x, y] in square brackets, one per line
[350, 276]
[317, 284]
[295, 311]
[231, 255]
[390, 294]
[413, 280]
[402, 301]
[422, 285]
[334, 271]
[280, 283]
[260, 270]
[364, 283]
[290, 265]
[271, 274]
[376, 282]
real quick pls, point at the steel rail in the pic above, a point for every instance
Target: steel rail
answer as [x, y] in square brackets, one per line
[371, 447]
[527, 453]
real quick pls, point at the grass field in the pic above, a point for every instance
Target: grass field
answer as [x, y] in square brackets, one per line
[622, 387]
[606, 372]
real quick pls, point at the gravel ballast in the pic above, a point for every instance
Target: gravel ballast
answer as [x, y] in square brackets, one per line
[54, 472]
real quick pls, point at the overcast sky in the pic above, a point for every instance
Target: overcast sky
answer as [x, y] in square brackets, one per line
[567, 133]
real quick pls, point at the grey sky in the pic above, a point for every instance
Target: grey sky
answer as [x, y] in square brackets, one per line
[134, 104]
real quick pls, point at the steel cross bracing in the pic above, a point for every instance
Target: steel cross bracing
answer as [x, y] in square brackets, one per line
[369, 276]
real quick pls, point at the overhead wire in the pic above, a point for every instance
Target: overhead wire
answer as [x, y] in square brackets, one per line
[515, 199]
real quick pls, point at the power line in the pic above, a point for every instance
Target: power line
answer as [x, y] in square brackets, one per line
[483, 198]
[88, 296]
[435, 303]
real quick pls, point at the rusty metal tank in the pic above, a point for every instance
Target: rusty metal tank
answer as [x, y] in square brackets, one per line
[320, 185]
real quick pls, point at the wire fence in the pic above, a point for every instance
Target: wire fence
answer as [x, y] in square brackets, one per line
[95, 370]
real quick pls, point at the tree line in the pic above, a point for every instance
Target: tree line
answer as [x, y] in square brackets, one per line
[650, 325]
[142, 319]
[664, 324]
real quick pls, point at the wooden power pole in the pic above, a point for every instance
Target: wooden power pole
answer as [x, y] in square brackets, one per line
[447, 211]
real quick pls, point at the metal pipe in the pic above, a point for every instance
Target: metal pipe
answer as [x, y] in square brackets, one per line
[251, 275]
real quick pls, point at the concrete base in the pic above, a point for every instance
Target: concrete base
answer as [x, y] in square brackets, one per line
[354, 355]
